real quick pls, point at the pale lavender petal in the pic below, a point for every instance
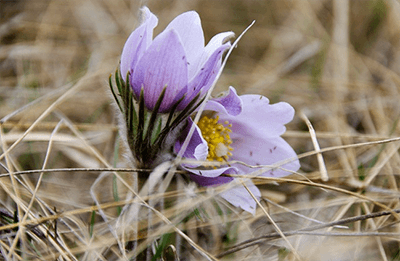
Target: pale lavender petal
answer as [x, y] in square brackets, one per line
[197, 147]
[163, 64]
[263, 150]
[188, 27]
[138, 42]
[228, 104]
[211, 173]
[132, 50]
[259, 118]
[206, 76]
[240, 197]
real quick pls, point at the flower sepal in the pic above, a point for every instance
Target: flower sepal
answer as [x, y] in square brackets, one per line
[150, 134]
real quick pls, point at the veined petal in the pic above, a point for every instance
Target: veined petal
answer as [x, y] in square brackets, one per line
[188, 27]
[138, 41]
[227, 104]
[259, 118]
[163, 64]
[262, 150]
[240, 197]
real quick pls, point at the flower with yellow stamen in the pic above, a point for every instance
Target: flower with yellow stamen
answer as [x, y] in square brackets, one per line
[244, 129]
[217, 137]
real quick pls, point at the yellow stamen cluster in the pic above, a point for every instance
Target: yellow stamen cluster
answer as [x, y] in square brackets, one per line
[217, 137]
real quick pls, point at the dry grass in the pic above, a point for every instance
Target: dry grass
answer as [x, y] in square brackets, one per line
[337, 62]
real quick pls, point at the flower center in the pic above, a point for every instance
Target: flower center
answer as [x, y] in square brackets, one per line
[217, 137]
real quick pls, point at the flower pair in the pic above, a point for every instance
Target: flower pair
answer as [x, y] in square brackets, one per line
[161, 84]
[162, 81]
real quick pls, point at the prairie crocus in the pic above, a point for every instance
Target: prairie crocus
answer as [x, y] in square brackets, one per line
[243, 128]
[161, 81]
[176, 60]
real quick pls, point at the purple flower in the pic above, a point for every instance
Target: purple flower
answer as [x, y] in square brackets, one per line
[245, 128]
[175, 59]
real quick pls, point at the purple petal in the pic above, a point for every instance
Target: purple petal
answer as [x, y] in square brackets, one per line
[240, 197]
[207, 73]
[227, 104]
[254, 150]
[197, 147]
[216, 42]
[163, 64]
[259, 118]
[207, 181]
[138, 42]
[205, 77]
[188, 27]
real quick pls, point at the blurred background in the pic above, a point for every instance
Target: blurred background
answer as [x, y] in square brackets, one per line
[336, 62]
